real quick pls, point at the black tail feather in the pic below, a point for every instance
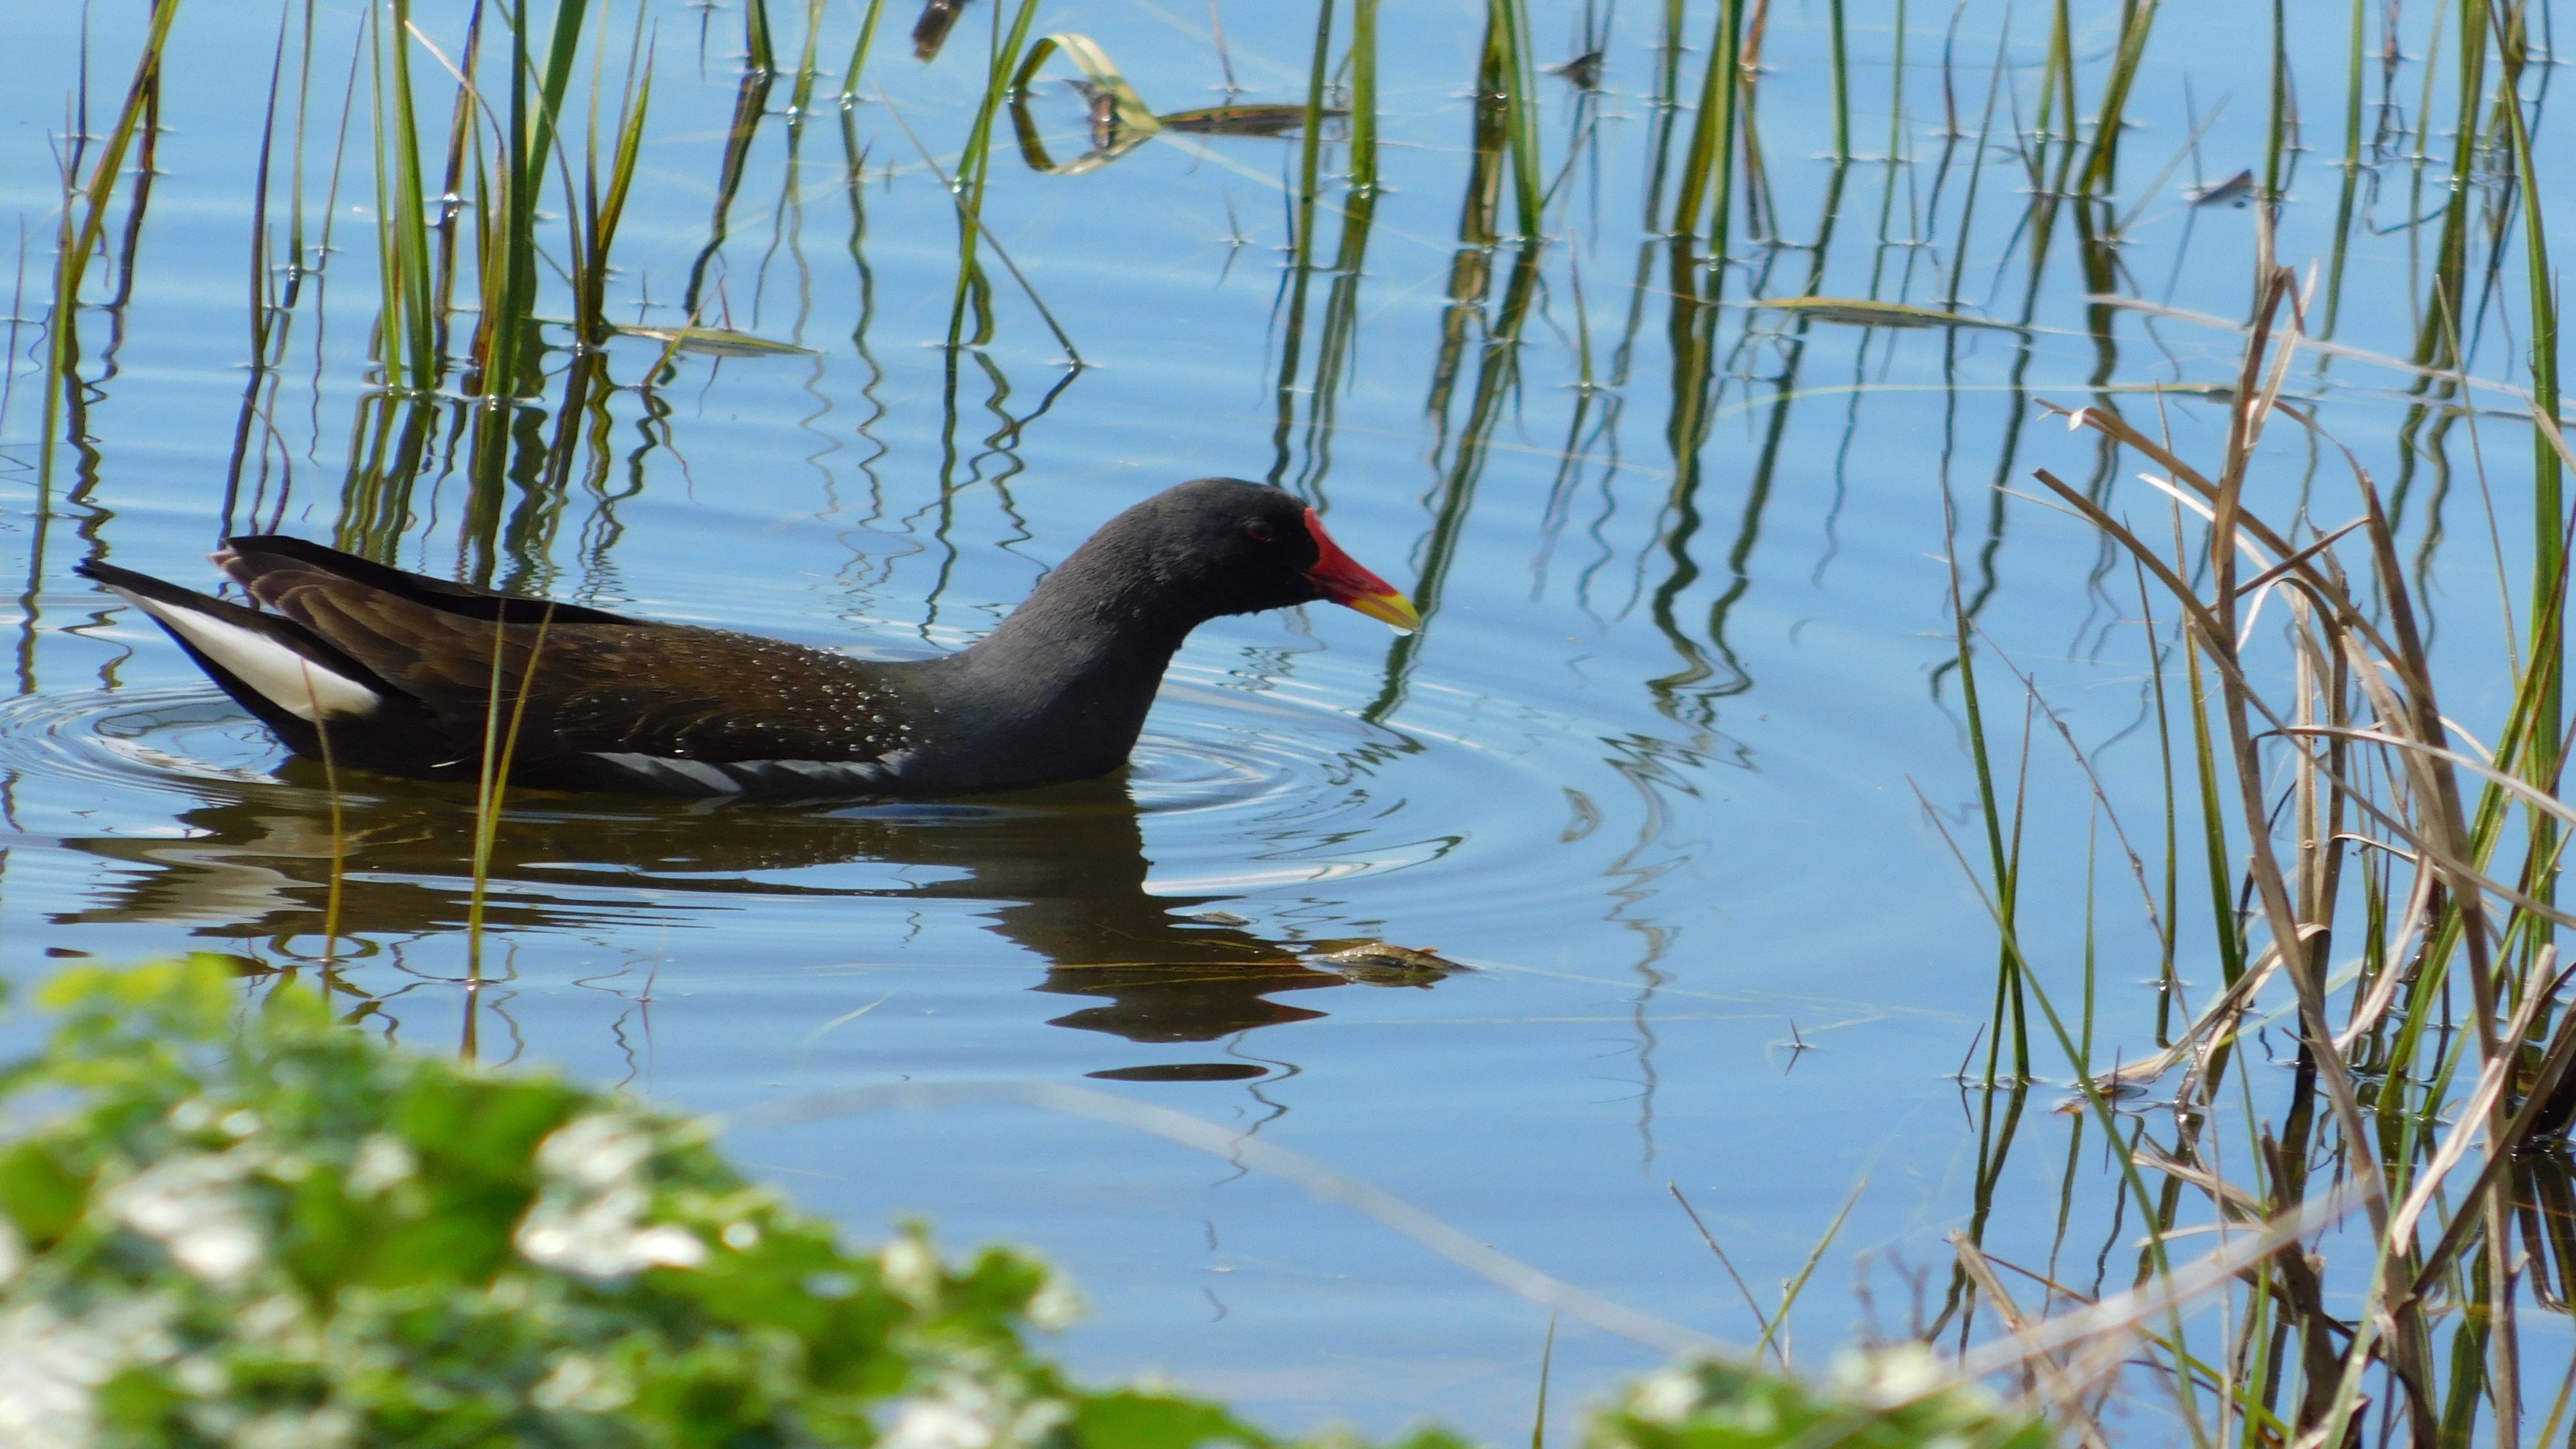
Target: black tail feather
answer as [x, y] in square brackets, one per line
[397, 729]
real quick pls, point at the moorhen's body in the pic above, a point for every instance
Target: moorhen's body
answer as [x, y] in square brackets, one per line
[377, 669]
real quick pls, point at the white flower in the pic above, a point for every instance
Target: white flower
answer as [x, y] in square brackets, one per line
[588, 1219]
[911, 1270]
[1057, 1304]
[1664, 1398]
[583, 1385]
[189, 1204]
[1897, 1374]
[383, 1162]
[938, 1424]
[962, 1413]
[322, 1428]
[599, 1151]
[51, 1367]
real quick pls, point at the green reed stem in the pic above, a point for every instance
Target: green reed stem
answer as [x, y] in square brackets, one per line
[1310, 138]
[1708, 161]
[858, 66]
[263, 290]
[2549, 520]
[507, 344]
[500, 749]
[596, 220]
[562, 50]
[1789, 1291]
[974, 169]
[84, 223]
[1507, 29]
[2056, 119]
[1301, 248]
[1063, 338]
[407, 327]
[464, 150]
[1842, 84]
[2352, 170]
[295, 203]
[1363, 98]
[2437, 344]
[750, 109]
[756, 38]
[2284, 121]
[1546, 1361]
[2010, 972]
[1338, 336]
[807, 68]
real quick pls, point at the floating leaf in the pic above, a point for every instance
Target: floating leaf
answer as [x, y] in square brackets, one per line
[1583, 72]
[1384, 953]
[718, 342]
[1119, 120]
[1861, 312]
[1380, 963]
[1244, 120]
[1183, 1072]
[2237, 190]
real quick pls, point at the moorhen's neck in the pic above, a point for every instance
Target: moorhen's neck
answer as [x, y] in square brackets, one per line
[1108, 592]
[1067, 679]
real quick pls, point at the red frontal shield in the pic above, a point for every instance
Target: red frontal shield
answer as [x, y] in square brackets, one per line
[1345, 582]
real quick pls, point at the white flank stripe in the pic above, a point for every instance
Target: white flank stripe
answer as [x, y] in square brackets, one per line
[667, 772]
[285, 678]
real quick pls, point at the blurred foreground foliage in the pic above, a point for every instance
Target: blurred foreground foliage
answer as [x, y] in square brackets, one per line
[241, 1224]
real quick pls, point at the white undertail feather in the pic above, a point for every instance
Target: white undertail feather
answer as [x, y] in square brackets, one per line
[285, 678]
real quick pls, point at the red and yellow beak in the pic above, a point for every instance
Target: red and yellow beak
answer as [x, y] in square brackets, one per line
[1345, 582]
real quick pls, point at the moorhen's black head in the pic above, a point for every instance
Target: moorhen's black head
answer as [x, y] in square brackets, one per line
[1224, 546]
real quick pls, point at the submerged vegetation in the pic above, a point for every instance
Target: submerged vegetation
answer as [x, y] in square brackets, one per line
[2356, 830]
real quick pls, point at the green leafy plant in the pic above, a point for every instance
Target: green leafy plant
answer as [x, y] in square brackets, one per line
[279, 1231]
[234, 1222]
[1890, 1400]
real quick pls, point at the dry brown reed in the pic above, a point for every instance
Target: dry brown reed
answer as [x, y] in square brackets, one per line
[2361, 822]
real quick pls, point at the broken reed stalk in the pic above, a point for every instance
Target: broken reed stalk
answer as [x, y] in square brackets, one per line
[2357, 760]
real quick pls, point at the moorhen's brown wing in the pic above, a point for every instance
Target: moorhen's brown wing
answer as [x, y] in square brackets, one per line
[382, 670]
[573, 682]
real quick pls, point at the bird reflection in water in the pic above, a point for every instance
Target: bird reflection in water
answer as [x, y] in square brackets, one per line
[1063, 869]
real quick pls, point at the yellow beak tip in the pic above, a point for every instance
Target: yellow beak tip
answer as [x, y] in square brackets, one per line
[1390, 609]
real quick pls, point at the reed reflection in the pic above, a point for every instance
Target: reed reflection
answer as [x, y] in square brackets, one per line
[1063, 869]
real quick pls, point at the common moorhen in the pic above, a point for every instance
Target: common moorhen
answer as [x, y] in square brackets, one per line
[377, 669]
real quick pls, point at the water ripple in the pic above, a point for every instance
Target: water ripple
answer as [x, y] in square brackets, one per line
[155, 739]
[1244, 784]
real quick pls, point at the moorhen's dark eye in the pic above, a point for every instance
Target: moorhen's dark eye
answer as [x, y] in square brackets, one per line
[1259, 531]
